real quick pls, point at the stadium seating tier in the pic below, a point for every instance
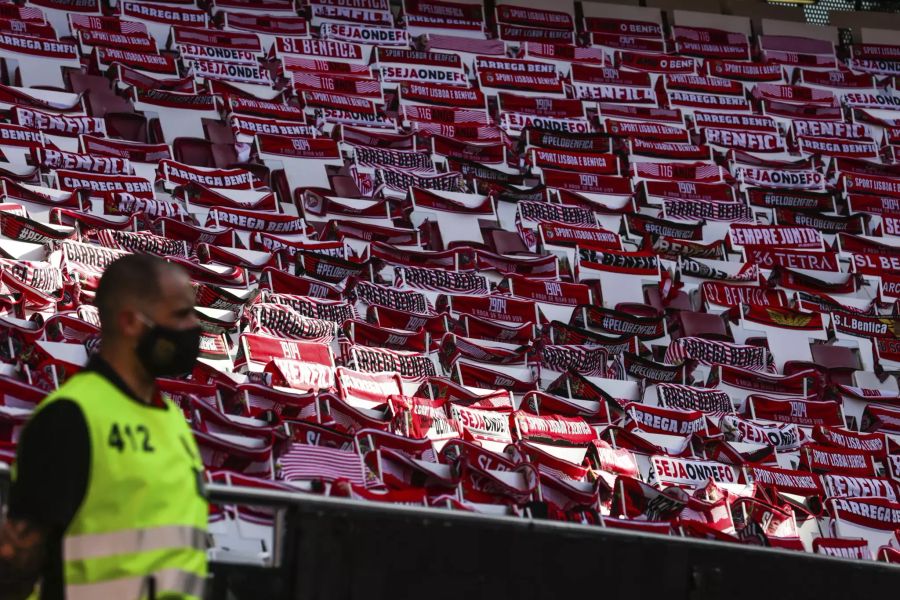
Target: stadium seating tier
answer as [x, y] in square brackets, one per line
[619, 265]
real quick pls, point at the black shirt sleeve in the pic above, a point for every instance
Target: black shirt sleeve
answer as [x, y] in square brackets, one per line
[52, 467]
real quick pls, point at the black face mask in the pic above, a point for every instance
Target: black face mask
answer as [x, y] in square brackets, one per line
[167, 352]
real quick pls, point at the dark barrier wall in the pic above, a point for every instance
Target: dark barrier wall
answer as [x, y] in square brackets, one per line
[337, 552]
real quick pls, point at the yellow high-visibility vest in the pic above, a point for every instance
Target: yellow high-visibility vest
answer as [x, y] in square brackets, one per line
[141, 528]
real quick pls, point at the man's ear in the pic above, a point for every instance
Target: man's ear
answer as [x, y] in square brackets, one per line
[130, 322]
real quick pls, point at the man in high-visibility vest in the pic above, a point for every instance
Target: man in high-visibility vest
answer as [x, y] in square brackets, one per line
[107, 496]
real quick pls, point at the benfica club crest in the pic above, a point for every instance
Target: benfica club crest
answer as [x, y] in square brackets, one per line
[789, 319]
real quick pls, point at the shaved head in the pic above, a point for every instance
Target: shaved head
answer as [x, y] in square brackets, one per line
[135, 283]
[148, 325]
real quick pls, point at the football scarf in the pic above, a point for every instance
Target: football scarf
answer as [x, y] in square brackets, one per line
[666, 470]
[695, 268]
[649, 131]
[143, 242]
[283, 321]
[782, 317]
[541, 402]
[561, 333]
[733, 121]
[802, 483]
[552, 430]
[725, 294]
[53, 124]
[413, 161]
[378, 360]
[485, 329]
[655, 419]
[871, 443]
[771, 236]
[406, 300]
[619, 323]
[835, 460]
[672, 395]
[590, 361]
[710, 352]
[673, 249]
[583, 142]
[709, 210]
[782, 437]
[634, 499]
[744, 71]
[644, 225]
[640, 368]
[565, 234]
[593, 262]
[454, 347]
[632, 56]
[439, 280]
[808, 413]
[336, 311]
[401, 180]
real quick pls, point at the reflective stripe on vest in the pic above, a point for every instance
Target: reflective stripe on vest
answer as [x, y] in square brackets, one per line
[132, 588]
[129, 541]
